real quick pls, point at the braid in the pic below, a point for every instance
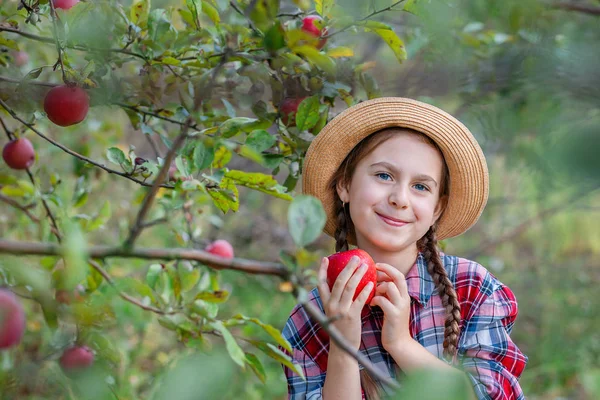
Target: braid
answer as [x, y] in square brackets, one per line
[428, 245]
[341, 232]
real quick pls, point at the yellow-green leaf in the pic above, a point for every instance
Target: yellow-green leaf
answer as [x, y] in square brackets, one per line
[391, 38]
[233, 348]
[211, 12]
[341, 51]
[217, 296]
[222, 157]
[271, 330]
[139, 12]
[317, 58]
[323, 7]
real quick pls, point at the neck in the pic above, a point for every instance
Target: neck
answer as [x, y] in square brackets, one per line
[402, 260]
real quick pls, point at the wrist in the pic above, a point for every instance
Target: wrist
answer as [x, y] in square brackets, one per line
[339, 355]
[402, 347]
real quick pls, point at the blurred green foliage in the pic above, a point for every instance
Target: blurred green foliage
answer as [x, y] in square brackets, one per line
[522, 75]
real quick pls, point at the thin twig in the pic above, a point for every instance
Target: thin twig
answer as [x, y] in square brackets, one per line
[364, 19]
[578, 7]
[56, 40]
[209, 259]
[155, 115]
[70, 46]
[250, 23]
[16, 204]
[124, 295]
[75, 154]
[149, 199]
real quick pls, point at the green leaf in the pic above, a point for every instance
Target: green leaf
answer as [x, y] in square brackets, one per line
[306, 219]
[278, 356]
[308, 113]
[33, 74]
[203, 156]
[264, 12]
[139, 11]
[115, 155]
[194, 6]
[258, 181]
[274, 38]
[205, 309]
[170, 61]
[323, 7]
[158, 24]
[211, 12]
[152, 275]
[11, 44]
[189, 277]
[218, 296]
[227, 196]
[221, 157]
[317, 58]
[260, 140]
[233, 126]
[101, 218]
[256, 366]
[271, 330]
[234, 349]
[390, 37]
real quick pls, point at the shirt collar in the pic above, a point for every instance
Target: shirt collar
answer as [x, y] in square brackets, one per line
[419, 282]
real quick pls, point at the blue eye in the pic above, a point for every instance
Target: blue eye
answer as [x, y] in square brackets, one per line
[383, 173]
[422, 186]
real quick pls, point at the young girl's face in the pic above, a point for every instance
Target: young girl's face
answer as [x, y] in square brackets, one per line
[394, 194]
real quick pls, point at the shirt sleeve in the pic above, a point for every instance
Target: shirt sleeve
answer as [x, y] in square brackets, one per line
[310, 386]
[487, 353]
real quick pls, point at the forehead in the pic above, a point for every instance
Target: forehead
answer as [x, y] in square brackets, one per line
[408, 152]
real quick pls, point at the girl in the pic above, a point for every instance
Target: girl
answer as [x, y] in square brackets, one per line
[395, 176]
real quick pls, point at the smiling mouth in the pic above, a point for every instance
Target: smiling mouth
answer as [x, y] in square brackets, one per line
[392, 222]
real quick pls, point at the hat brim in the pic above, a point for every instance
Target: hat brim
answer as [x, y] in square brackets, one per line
[469, 180]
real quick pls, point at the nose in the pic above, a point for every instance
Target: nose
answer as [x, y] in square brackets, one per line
[398, 197]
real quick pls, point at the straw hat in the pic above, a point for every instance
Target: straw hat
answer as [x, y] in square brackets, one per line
[469, 180]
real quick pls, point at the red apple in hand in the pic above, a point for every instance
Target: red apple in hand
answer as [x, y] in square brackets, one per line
[12, 320]
[66, 105]
[76, 358]
[288, 110]
[64, 4]
[338, 261]
[313, 25]
[18, 154]
[220, 248]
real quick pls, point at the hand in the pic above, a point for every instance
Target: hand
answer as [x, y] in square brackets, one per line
[392, 296]
[338, 302]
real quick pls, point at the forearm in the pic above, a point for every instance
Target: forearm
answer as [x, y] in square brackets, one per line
[412, 356]
[343, 376]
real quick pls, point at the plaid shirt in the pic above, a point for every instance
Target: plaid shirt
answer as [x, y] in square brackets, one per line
[485, 350]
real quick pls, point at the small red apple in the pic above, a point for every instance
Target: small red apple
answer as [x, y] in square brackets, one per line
[64, 4]
[66, 105]
[313, 26]
[220, 248]
[338, 261]
[12, 319]
[19, 154]
[75, 358]
[288, 110]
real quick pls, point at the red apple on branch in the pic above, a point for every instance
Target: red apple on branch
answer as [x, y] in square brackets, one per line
[18, 154]
[338, 261]
[66, 105]
[76, 358]
[313, 25]
[288, 110]
[64, 4]
[12, 320]
[220, 248]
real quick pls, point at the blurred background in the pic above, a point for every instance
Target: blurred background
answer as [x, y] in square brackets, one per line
[523, 75]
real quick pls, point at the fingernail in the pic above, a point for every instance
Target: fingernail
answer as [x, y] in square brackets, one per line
[363, 267]
[355, 258]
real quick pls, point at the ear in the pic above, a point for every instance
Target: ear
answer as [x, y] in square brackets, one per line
[440, 207]
[342, 192]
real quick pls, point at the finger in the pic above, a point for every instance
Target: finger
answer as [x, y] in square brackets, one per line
[323, 287]
[383, 303]
[391, 293]
[383, 277]
[350, 289]
[397, 276]
[361, 300]
[343, 277]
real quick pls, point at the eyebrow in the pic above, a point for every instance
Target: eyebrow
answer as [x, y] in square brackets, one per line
[389, 166]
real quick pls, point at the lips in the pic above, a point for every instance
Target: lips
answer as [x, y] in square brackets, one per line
[392, 221]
